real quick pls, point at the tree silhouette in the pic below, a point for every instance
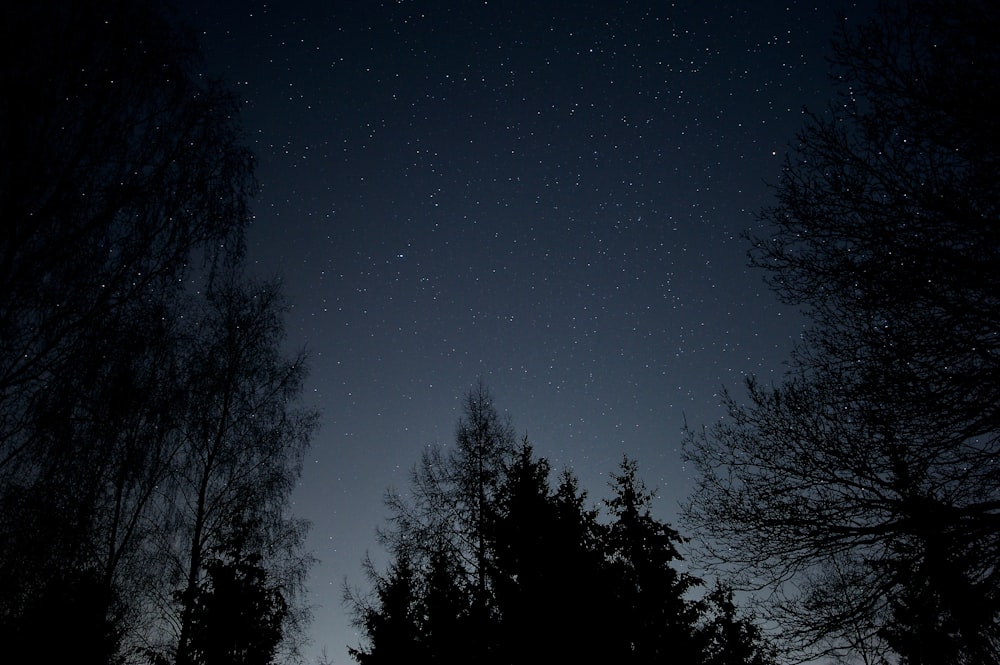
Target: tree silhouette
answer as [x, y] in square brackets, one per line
[124, 190]
[391, 621]
[447, 517]
[443, 529]
[237, 612]
[452, 625]
[560, 585]
[242, 446]
[551, 584]
[729, 638]
[119, 172]
[420, 614]
[866, 478]
[83, 609]
[484, 446]
[653, 619]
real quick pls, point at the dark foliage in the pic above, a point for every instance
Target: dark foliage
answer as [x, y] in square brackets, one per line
[81, 607]
[550, 584]
[557, 583]
[652, 617]
[240, 447]
[120, 168]
[729, 638]
[392, 622]
[237, 613]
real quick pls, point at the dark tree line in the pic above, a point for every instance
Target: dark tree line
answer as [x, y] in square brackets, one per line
[864, 490]
[149, 437]
[492, 562]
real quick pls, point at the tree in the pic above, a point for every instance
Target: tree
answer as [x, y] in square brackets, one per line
[653, 620]
[237, 613]
[121, 169]
[391, 619]
[728, 638]
[453, 628]
[551, 584]
[484, 446]
[147, 414]
[122, 172]
[443, 527]
[522, 564]
[87, 519]
[453, 493]
[862, 490]
[83, 609]
[557, 583]
[242, 448]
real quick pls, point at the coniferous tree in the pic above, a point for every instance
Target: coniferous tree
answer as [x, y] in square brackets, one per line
[562, 585]
[653, 619]
[391, 620]
[551, 583]
[445, 523]
[728, 638]
[453, 631]
[238, 611]
[520, 538]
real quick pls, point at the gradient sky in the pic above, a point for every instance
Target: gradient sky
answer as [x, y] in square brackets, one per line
[545, 195]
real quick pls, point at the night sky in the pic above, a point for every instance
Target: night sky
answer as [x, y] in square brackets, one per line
[545, 195]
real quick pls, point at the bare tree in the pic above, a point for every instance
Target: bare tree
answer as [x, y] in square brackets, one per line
[863, 490]
[241, 453]
[120, 169]
[453, 489]
[147, 414]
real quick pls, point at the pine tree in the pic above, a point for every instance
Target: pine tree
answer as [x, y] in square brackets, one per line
[559, 584]
[238, 611]
[726, 637]
[654, 621]
[551, 581]
[390, 619]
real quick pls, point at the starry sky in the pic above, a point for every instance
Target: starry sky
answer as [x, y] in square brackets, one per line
[545, 195]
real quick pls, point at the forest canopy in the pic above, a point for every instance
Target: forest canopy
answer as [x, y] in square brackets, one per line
[495, 561]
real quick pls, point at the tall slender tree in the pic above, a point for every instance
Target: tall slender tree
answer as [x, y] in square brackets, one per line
[453, 492]
[242, 448]
[122, 171]
[147, 414]
[121, 168]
